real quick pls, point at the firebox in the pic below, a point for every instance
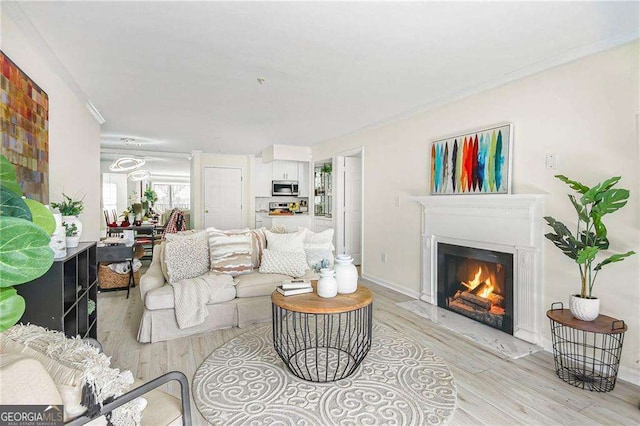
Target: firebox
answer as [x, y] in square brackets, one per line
[476, 283]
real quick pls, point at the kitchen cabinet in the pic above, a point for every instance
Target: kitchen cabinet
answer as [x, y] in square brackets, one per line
[261, 178]
[291, 222]
[263, 220]
[285, 170]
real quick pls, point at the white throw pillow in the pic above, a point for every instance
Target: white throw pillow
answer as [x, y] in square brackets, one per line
[186, 258]
[293, 242]
[281, 262]
[230, 251]
[318, 246]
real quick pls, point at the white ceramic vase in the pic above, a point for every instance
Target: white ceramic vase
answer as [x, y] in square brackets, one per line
[584, 309]
[346, 274]
[327, 285]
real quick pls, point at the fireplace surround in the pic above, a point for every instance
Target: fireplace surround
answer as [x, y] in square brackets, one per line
[510, 224]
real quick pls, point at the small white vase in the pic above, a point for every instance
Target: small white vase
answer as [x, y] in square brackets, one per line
[346, 274]
[327, 284]
[584, 309]
[73, 219]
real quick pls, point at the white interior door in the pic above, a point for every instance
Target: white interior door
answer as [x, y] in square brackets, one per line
[222, 198]
[353, 208]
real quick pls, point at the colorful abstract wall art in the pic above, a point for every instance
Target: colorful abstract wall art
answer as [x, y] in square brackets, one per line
[472, 163]
[24, 119]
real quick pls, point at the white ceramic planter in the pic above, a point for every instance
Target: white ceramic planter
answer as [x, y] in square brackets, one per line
[72, 242]
[327, 285]
[584, 309]
[73, 219]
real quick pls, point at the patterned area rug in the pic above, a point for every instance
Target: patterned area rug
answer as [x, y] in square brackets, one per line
[399, 382]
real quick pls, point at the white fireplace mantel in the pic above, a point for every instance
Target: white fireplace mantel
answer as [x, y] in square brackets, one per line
[510, 223]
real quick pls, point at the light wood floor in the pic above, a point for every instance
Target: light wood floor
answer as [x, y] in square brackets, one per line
[492, 390]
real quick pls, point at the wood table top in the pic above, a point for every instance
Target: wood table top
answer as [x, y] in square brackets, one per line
[603, 324]
[311, 303]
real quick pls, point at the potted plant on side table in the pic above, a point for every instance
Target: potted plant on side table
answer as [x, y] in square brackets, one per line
[589, 238]
[70, 209]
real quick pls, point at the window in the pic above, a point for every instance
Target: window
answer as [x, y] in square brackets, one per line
[110, 196]
[172, 195]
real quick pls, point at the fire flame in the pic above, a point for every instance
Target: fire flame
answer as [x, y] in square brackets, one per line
[475, 282]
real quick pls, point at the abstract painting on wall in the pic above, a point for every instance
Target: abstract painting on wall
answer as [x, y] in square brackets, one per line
[24, 118]
[473, 163]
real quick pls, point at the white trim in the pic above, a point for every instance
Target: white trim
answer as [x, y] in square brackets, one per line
[392, 286]
[338, 208]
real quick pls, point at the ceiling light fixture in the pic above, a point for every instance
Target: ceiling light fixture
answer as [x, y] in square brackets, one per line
[139, 175]
[124, 164]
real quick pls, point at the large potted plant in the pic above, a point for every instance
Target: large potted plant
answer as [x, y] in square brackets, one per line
[25, 229]
[590, 236]
[70, 210]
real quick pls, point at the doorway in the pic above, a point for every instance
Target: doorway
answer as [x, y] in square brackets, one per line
[222, 197]
[349, 188]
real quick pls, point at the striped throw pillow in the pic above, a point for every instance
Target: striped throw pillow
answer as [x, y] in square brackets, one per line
[230, 251]
[258, 244]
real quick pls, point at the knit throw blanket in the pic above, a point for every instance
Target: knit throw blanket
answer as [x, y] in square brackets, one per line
[100, 381]
[191, 296]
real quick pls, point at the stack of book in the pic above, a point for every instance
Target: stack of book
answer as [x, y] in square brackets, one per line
[292, 287]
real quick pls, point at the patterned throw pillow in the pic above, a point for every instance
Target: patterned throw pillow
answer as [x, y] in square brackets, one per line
[186, 258]
[285, 242]
[318, 246]
[293, 264]
[230, 251]
[258, 244]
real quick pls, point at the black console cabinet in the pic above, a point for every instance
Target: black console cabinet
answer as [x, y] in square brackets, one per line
[60, 299]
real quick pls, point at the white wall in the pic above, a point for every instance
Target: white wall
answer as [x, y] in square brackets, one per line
[202, 160]
[74, 135]
[584, 111]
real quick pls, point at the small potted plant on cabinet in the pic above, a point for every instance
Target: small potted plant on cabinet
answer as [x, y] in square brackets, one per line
[70, 210]
[589, 238]
[73, 237]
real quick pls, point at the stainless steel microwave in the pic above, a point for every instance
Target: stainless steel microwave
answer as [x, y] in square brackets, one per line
[284, 188]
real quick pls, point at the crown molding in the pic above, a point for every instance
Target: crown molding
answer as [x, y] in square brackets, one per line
[13, 9]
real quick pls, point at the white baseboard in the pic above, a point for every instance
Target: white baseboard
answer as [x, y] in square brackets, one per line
[392, 286]
[627, 374]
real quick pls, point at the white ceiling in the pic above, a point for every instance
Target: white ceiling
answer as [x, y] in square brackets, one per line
[182, 76]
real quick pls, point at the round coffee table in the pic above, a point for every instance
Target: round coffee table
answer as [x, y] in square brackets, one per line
[322, 340]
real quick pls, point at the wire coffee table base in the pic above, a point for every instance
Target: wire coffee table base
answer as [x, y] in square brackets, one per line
[322, 347]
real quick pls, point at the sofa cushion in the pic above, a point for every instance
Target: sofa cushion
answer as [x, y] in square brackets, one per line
[258, 244]
[162, 298]
[230, 251]
[282, 262]
[258, 284]
[186, 258]
[318, 246]
[292, 242]
[26, 382]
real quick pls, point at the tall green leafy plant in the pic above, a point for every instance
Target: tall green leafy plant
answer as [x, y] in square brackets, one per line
[69, 206]
[590, 234]
[25, 229]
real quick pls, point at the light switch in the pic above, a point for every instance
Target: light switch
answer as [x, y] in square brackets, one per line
[552, 162]
[398, 201]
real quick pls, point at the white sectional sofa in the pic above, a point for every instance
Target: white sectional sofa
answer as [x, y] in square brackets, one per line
[244, 299]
